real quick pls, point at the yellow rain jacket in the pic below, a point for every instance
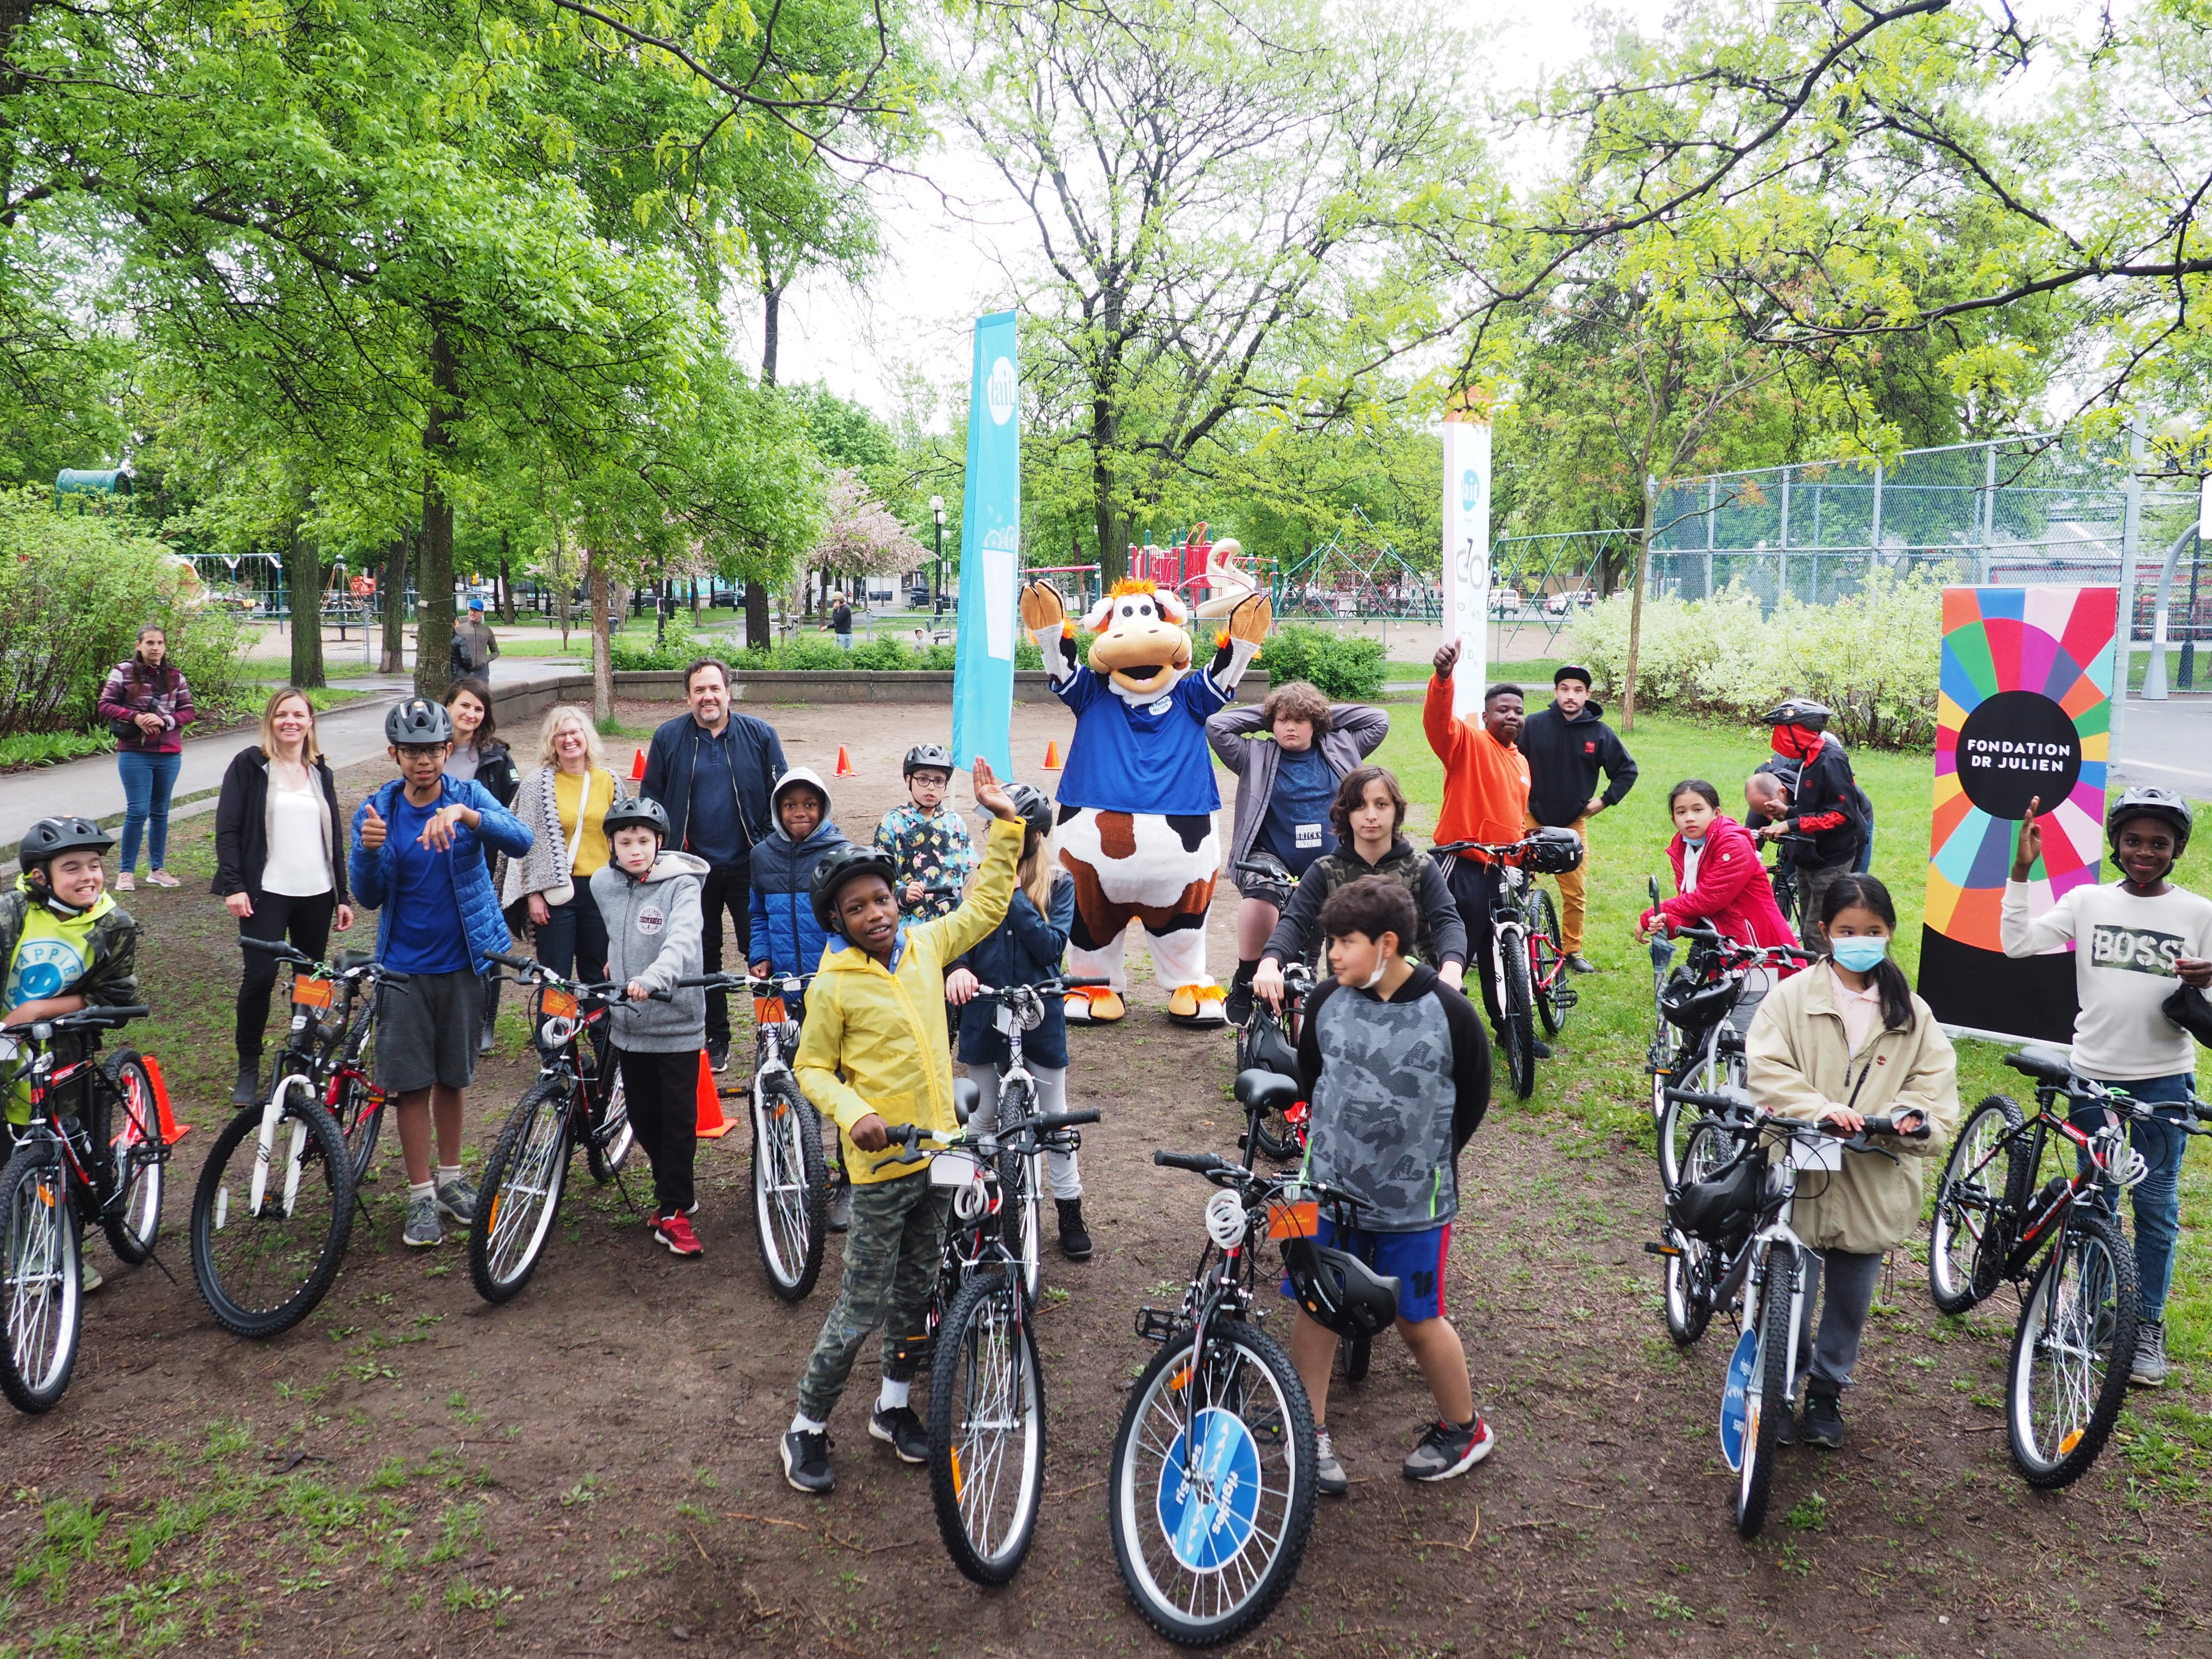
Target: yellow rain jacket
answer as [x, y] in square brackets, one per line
[875, 1041]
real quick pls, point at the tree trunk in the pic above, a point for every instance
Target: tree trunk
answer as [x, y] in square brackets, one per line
[771, 328]
[394, 660]
[303, 576]
[1113, 555]
[757, 634]
[565, 580]
[506, 581]
[434, 560]
[603, 674]
[1635, 611]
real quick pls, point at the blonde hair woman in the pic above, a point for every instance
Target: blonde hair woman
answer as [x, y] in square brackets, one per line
[279, 861]
[565, 801]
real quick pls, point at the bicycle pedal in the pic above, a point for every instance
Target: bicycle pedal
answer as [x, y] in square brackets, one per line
[1157, 1325]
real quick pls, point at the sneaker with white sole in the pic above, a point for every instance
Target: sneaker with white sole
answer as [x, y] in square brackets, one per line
[88, 1278]
[2148, 1371]
[901, 1429]
[806, 1461]
[1449, 1448]
[162, 878]
[1329, 1477]
[126, 883]
[457, 1199]
[422, 1229]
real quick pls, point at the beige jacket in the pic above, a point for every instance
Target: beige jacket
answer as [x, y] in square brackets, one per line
[1801, 1065]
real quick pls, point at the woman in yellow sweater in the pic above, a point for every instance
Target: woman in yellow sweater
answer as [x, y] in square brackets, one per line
[565, 802]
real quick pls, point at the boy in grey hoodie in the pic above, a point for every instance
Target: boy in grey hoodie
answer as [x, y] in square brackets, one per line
[649, 900]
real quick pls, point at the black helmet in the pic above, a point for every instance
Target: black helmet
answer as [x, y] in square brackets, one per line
[639, 813]
[1339, 1291]
[1800, 711]
[839, 866]
[1553, 851]
[933, 755]
[2148, 800]
[1034, 806]
[49, 838]
[417, 721]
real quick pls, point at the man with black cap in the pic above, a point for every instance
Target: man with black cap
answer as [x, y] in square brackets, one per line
[1826, 825]
[1567, 745]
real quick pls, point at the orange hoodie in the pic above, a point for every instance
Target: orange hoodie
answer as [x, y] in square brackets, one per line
[1486, 781]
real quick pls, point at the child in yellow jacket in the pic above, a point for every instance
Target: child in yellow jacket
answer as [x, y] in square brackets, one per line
[874, 1052]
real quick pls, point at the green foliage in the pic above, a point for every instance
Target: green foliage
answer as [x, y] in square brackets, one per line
[24, 749]
[1345, 667]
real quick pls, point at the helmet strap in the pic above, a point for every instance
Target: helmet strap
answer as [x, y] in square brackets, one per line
[42, 889]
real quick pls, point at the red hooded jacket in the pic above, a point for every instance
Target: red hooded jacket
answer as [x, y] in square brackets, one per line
[1732, 894]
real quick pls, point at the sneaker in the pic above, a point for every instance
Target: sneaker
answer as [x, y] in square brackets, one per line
[1237, 1007]
[88, 1278]
[247, 1089]
[161, 879]
[488, 1040]
[717, 1057]
[1824, 1422]
[1538, 1048]
[126, 883]
[1074, 1236]
[422, 1229]
[1579, 963]
[841, 1205]
[675, 1231]
[806, 1461]
[1449, 1448]
[2150, 1369]
[1785, 1431]
[901, 1430]
[457, 1199]
[1329, 1477]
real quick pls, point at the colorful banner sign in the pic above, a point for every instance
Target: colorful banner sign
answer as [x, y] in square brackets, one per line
[1467, 555]
[2024, 711]
[990, 554]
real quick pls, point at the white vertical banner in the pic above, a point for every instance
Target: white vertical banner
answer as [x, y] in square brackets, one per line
[1466, 557]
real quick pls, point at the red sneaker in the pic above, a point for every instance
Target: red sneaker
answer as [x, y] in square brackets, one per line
[675, 1231]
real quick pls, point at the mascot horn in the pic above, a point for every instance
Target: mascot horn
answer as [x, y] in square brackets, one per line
[1138, 797]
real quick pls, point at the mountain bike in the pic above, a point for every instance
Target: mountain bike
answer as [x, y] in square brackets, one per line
[1742, 1209]
[578, 1097]
[1529, 963]
[263, 1257]
[1210, 1494]
[91, 1154]
[2074, 1347]
[986, 1415]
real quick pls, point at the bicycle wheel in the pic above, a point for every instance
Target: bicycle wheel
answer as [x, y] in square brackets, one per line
[791, 1190]
[272, 1214]
[1970, 1238]
[1547, 953]
[39, 1273]
[986, 1429]
[133, 1221]
[1359, 1353]
[1768, 1397]
[1517, 1028]
[2073, 1350]
[359, 1109]
[608, 1149]
[1021, 1204]
[522, 1192]
[1210, 1496]
[1686, 1279]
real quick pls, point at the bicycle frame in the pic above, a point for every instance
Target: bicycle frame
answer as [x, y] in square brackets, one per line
[86, 1162]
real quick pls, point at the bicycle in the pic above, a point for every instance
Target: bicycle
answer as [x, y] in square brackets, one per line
[97, 1161]
[2075, 1345]
[1529, 968]
[1268, 1041]
[578, 1097]
[987, 1413]
[1741, 1210]
[263, 1264]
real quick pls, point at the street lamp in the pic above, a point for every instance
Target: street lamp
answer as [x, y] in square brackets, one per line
[937, 508]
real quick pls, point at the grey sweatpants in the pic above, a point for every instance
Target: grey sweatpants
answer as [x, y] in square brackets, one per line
[1051, 1096]
[1834, 1348]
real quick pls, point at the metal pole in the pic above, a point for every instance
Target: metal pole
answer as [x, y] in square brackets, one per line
[1782, 552]
[1989, 506]
[1873, 532]
[2154, 676]
[1712, 528]
[2131, 545]
[2187, 679]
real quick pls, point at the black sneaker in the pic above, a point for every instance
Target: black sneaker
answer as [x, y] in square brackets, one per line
[1237, 1007]
[718, 1052]
[1824, 1422]
[1538, 1048]
[1579, 963]
[902, 1430]
[806, 1461]
[1785, 1431]
[247, 1089]
[1074, 1236]
[1449, 1448]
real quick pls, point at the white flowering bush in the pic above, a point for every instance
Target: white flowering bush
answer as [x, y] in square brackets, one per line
[1873, 657]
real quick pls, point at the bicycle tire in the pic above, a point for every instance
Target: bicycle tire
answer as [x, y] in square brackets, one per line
[359, 1109]
[1968, 1208]
[1247, 1376]
[1359, 1353]
[523, 1181]
[1686, 1278]
[1546, 952]
[132, 1220]
[1769, 1396]
[986, 1367]
[1517, 1028]
[791, 1191]
[303, 1258]
[2105, 1304]
[40, 1267]
[1022, 1203]
[1675, 1122]
[608, 1149]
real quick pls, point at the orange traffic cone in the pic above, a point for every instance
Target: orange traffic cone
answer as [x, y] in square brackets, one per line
[171, 1134]
[845, 763]
[637, 767]
[1052, 757]
[712, 1126]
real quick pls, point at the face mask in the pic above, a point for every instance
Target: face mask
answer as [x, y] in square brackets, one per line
[1859, 955]
[1374, 979]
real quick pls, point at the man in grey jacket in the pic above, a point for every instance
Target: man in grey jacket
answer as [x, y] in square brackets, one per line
[1289, 754]
[649, 900]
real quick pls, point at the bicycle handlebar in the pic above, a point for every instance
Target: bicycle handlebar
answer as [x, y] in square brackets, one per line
[1737, 1106]
[1196, 1163]
[1052, 1121]
[1500, 849]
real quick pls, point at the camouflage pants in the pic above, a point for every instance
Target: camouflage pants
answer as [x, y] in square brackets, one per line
[891, 1270]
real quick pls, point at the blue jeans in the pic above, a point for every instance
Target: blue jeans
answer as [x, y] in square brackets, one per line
[573, 942]
[2158, 1200]
[147, 781]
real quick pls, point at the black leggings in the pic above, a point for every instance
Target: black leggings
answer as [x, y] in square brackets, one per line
[306, 922]
[662, 1092]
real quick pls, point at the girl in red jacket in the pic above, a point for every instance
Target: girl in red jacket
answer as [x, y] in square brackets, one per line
[1717, 873]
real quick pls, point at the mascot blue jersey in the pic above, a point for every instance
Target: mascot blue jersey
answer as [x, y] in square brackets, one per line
[1151, 758]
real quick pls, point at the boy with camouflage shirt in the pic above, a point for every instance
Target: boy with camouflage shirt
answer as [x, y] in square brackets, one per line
[926, 839]
[1396, 1069]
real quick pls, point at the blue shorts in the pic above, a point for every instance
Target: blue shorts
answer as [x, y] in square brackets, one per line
[1416, 1261]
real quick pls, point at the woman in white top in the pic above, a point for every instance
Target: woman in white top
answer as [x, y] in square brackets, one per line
[279, 861]
[565, 802]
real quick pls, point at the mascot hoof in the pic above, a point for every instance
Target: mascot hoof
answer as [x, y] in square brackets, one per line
[1096, 1006]
[1198, 1005]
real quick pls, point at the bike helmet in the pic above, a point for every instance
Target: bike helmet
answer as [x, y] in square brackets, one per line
[1339, 1291]
[1800, 711]
[638, 814]
[49, 838]
[839, 866]
[2148, 800]
[932, 756]
[1694, 1007]
[1553, 851]
[1725, 1208]
[417, 722]
[1034, 806]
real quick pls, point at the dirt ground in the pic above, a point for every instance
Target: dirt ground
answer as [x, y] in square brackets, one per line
[592, 1468]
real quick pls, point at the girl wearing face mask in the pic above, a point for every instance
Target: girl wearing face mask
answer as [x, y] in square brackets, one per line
[1842, 1043]
[1719, 879]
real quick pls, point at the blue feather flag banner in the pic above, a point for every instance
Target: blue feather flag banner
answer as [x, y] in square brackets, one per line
[990, 554]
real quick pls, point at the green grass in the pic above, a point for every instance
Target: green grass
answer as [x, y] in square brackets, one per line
[50, 747]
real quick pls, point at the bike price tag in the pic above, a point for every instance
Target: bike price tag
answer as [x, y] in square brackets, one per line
[311, 992]
[955, 1168]
[1735, 1407]
[769, 1010]
[1294, 1220]
[557, 1005]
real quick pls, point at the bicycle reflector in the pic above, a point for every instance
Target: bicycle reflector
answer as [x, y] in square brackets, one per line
[1224, 1219]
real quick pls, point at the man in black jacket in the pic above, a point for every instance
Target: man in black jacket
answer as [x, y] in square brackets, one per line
[712, 769]
[1826, 825]
[1567, 745]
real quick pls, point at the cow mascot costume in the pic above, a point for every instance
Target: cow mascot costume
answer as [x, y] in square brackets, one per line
[1137, 798]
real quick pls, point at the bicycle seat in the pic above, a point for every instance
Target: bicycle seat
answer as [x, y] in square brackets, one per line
[2044, 1065]
[966, 1099]
[1271, 1091]
[349, 960]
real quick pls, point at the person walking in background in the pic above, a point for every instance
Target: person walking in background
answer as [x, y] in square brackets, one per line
[479, 755]
[1286, 786]
[280, 861]
[840, 621]
[565, 800]
[474, 643]
[1826, 826]
[1567, 745]
[712, 768]
[148, 705]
